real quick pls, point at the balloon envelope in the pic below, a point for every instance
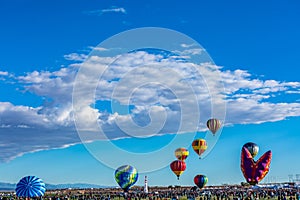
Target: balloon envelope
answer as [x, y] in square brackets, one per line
[30, 186]
[181, 153]
[199, 146]
[213, 125]
[126, 176]
[178, 167]
[252, 148]
[253, 171]
[200, 180]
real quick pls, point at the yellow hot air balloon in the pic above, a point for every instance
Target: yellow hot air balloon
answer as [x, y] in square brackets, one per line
[181, 153]
[199, 146]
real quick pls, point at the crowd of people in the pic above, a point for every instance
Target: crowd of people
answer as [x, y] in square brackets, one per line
[170, 193]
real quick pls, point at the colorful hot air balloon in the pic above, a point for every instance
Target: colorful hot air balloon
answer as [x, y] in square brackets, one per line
[199, 146]
[126, 176]
[178, 167]
[30, 186]
[253, 171]
[213, 125]
[252, 148]
[181, 153]
[200, 180]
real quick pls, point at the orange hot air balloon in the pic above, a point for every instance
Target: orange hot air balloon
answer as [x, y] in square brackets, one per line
[178, 167]
[181, 153]
[199, 146]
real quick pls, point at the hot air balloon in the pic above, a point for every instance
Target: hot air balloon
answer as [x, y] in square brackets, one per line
[253, 171]
[199, 146]
[178, 167]
[126, 176]
[213, 125]
[181, 153]
[30, 186]
[252, 148]
[200, 180]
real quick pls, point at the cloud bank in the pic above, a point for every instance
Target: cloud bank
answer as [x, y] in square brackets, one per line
[137, 90]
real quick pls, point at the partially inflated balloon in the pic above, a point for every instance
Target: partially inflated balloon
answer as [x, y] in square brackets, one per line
[199, 146]
[213, 125]
[253, 171]
[30, 186]
[200, 180]
[252, 148]
[178, 167]
[181, 153]
[126, 176]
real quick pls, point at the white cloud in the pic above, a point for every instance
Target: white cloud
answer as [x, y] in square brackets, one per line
[27, 116]
[107, 10]
[293, 92]
[161, 93]
[187, 45]
[195, 51]
[244, 94]
[2, 73]
[75, 57]
[118, 10]
[187, 53]
[98, 48]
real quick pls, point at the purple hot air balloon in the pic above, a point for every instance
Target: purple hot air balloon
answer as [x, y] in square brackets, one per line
[253, 171]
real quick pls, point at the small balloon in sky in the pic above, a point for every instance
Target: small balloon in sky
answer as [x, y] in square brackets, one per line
[181, 153]
[126, 176]
[178, 167]
[200, 180]
[199, 146]
[252, 148]
[213, 125]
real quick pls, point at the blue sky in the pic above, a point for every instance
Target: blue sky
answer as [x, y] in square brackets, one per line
[254, 47]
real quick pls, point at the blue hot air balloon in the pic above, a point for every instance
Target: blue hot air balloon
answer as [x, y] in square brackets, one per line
[200, 180]
[126, 176]
[30, 186]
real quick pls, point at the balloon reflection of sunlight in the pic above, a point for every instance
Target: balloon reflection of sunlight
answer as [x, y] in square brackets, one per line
[191, 76]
